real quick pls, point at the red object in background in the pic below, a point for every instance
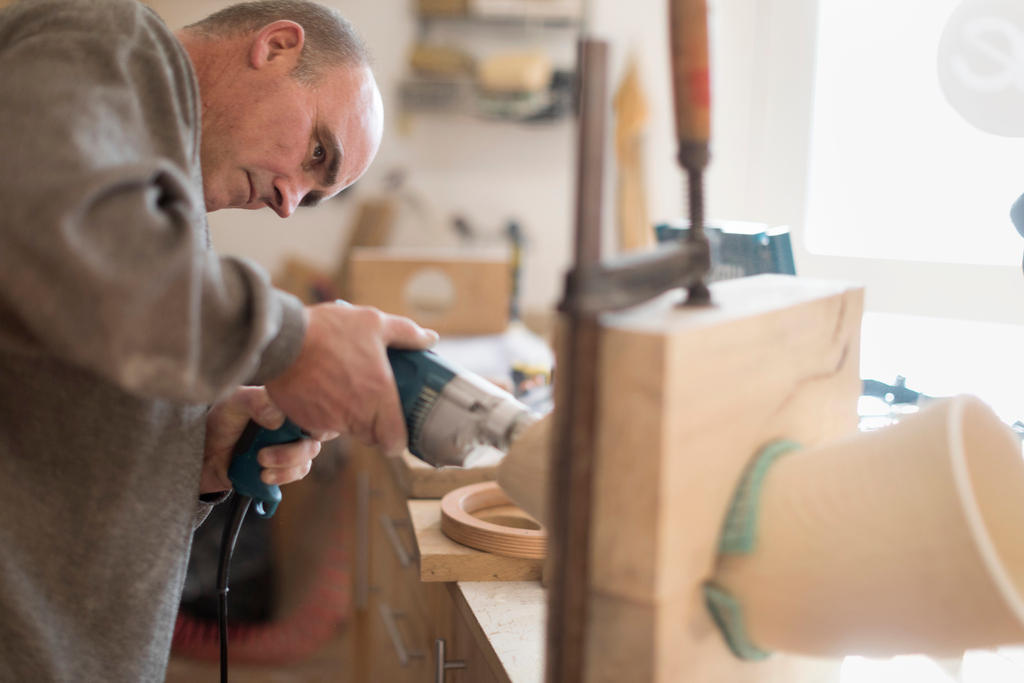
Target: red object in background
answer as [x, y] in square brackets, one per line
[287, 640]
[297, 635]
[688, 41]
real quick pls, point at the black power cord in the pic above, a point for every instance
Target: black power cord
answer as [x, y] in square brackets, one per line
[239, 506]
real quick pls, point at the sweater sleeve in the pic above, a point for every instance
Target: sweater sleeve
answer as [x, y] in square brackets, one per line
[105, 259]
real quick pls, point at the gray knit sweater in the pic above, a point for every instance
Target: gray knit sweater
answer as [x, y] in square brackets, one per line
[118, 325]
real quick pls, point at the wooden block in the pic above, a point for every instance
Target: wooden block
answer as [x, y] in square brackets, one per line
[418, 479]
[455, 292]
[442, 559]
[687, 396]
[524, 471]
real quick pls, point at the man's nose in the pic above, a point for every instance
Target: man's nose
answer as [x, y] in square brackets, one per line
[286, 198]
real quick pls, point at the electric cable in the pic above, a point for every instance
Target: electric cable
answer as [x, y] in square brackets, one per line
[236, 515]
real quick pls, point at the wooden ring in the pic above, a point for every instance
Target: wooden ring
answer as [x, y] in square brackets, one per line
[459, 523]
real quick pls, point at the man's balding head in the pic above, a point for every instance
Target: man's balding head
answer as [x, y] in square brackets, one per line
[285, 124]
[330, 40]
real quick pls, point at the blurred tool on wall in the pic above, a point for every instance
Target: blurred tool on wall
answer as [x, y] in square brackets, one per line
[631, 116]
[517, 242]
[513, 85]
[440, 61]
[738, 248]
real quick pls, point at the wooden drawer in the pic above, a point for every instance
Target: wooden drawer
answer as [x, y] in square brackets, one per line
[397, 627]
[403, 624]
[398, 638]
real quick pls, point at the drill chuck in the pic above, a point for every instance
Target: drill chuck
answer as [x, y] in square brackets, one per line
[466, 412]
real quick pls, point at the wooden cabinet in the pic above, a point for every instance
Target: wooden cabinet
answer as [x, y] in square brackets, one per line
[404, 630]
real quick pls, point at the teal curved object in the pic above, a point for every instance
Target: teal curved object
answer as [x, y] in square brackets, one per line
[245, 469]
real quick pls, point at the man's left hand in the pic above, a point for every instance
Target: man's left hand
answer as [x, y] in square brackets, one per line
[282, 464]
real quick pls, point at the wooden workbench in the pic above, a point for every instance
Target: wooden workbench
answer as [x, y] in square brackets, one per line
[509, 620]
[417, 593]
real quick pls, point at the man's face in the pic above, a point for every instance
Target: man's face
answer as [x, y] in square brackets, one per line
[271, 141]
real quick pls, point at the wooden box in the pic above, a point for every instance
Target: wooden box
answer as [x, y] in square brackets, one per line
[455, 292]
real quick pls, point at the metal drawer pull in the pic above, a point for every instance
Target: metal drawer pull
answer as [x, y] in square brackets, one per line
[441, 665]
[389, 616]
[390, 525]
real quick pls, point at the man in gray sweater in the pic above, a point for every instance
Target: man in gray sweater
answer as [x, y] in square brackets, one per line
[120, 327]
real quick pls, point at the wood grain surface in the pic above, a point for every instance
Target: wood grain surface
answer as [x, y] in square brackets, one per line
[442, 559]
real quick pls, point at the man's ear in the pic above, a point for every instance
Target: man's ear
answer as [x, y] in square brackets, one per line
[280, 40]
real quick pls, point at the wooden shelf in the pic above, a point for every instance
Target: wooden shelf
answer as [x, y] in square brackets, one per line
[526, 19]
[420, 95]
[442, 559]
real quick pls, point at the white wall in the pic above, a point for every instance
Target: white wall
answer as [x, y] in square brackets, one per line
[494, 171]
[771, 58]
[762, 74]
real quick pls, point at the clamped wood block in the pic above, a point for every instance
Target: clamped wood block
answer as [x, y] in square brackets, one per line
[687, 397]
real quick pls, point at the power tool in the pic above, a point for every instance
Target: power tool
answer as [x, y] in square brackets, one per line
[449, 411]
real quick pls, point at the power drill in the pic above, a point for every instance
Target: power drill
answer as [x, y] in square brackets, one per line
[448, 412]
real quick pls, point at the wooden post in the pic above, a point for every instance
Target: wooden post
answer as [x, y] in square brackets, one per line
[573, 447]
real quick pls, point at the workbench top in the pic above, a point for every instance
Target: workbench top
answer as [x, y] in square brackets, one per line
[504, 604]
[508, 620]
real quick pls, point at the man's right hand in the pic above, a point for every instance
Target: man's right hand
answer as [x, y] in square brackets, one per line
[342, 380]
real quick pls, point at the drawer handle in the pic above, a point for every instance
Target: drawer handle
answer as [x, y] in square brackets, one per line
[440, 664]
[391, 528]
[390, 619]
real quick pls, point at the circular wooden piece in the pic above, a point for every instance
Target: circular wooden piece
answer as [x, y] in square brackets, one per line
[482, 516]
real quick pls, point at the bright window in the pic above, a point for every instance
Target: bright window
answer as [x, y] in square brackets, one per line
[896, 172]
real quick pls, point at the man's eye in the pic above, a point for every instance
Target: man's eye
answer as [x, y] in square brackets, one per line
[319, 152]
